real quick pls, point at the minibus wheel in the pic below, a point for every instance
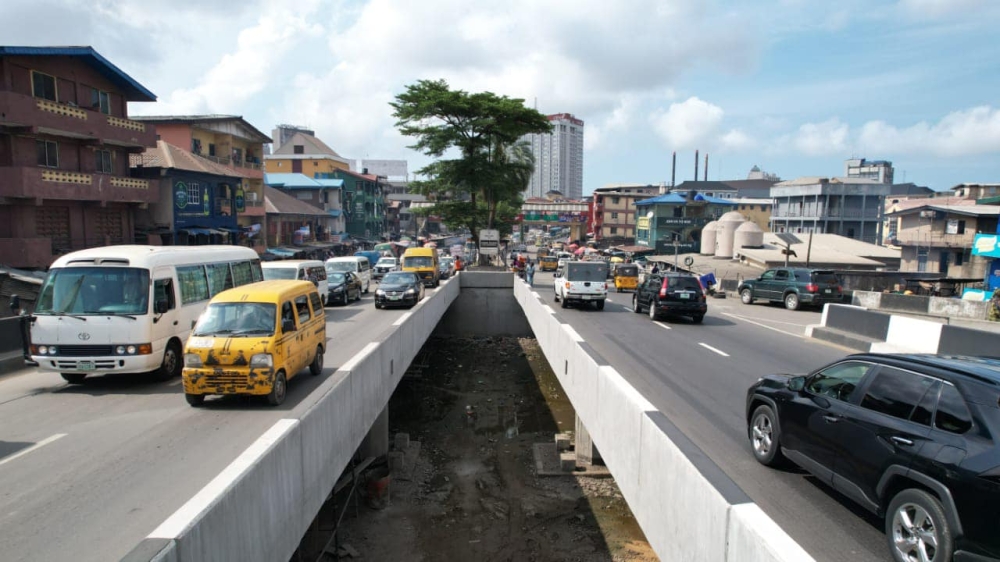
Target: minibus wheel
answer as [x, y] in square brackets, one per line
[172, 365]
[277, 395]
[195, 400]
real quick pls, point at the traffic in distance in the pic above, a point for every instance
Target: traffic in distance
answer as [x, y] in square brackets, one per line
[910, 438]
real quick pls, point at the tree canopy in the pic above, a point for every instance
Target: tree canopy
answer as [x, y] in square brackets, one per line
[481, 186]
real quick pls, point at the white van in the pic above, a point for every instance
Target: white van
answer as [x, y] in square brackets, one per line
[303, 270]
[358, 265]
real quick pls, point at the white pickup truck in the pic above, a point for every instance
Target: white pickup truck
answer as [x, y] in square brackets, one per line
[582, 282]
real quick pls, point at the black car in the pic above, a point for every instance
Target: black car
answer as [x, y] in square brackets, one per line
[344, 287]
[671, 294]
[399, 288]
[912, 438]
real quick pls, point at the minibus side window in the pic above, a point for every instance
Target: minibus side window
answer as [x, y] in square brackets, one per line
[287, 315]
[302, 306]
[317, 304]
[163, 291]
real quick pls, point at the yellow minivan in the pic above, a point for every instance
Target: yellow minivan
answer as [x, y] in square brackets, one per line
[423, 262]
[252, 339]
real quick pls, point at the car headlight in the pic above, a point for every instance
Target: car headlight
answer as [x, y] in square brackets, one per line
[120, 350]
[130, 350]
[192, 360]
[411, 291]
[43, 349]
[261, 360]
[380, 292]
[52, 350]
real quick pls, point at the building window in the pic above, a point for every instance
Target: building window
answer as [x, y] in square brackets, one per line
[196, 146]
[211, 149]
[615, 200]
[298, 149]
[194, 191]
[614, 216]
[614, 230]
[48, 154]
[678, 212]
[102, 162]
[100, 101]
[43, 86]
[959, 258]
[961, 227]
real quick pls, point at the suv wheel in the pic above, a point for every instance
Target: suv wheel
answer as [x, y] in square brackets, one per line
[765, 436]
[917, 528]
[746, 295]
[653, 310]
[792, 301]
[635, 304]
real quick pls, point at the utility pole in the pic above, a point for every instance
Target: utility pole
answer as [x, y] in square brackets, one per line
[677, 245]
[809, 249]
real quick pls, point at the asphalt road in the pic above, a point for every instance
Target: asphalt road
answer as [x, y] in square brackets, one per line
[116, 456]
[698, 376]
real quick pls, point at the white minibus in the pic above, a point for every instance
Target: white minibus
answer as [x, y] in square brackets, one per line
[359, 265]
[129, 309]
[303, 270]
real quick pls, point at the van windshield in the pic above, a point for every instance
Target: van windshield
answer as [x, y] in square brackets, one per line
[95, 290]
[418, 261]
[273, 273]
[237, 319]
[341, 266]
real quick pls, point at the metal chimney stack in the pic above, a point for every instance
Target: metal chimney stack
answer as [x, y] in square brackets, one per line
[696, 165]
[706, 167]
[673, 171]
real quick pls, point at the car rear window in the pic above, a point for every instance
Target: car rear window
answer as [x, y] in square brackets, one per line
[584, 271]
[684, 284]
[824, 278]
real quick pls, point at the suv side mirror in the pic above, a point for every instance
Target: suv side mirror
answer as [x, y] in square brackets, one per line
[796, 384]
[288, 325]
[162, 307]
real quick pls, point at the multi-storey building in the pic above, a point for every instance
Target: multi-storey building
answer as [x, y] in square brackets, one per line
[678, 216]
[364, 204]
[324, 194]
[614, 211]
[558, 158]
[230, 141]
[283, 133]
[845, 206]
[939, 237]
[305, 154]
[878, 170]
[65, 140]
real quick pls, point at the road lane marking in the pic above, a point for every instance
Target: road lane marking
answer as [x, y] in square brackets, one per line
[710, 348]
[762, 325]
[176, 382]
[399, 321]
[187, 514]
[353, 361]
[38, 445]
[662, 325]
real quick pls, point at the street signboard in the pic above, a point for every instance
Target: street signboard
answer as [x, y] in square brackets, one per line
[489, 242]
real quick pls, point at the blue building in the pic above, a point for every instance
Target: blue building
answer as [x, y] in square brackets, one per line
[677, 216]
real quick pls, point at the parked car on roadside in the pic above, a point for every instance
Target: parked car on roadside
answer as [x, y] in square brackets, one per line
[793, 286]
[912, 438]
[345, 286]
[671, 294]
[399, 288]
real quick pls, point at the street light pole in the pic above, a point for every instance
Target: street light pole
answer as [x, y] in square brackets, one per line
[676, 250]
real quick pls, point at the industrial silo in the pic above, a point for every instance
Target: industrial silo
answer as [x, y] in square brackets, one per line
[708, 238]
[748, 235]
[726, 232]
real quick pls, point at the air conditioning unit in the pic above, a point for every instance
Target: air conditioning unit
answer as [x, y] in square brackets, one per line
[252, 197]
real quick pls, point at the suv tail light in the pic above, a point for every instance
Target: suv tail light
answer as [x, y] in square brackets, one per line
[663, 289]
[812, 288]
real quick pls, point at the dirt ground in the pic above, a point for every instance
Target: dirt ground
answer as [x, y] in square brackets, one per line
[477, 406]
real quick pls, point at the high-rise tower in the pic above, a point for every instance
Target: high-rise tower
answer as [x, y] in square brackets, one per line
[558, 158]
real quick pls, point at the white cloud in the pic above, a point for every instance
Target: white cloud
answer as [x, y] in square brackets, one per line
[597, 134]
[687, 124]
[822, 139]
[736, 140]
[972, 131]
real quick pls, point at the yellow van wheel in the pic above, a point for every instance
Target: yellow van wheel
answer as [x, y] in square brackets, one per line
[316, 367]
[278, 389]
[195, 400]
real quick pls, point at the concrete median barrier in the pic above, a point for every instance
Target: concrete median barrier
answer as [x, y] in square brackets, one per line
[687, 506]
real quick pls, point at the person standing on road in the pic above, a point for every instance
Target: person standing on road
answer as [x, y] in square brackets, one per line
[529, 273]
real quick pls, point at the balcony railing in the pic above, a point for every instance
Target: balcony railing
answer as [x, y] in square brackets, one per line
[934, 239]
[71, 121]
[126, 124]
[234, 162]
[62, 109]
[30, 182]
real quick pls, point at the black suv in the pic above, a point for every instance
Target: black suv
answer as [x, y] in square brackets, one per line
[671, 294]
[794, 286]
[912, 438]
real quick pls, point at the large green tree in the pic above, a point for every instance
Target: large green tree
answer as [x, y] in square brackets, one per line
[480, 169]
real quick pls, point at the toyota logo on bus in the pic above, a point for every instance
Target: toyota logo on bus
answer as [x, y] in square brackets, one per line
[83, 336]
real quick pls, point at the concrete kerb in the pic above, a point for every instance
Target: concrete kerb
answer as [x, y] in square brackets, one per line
[755, 537]
[919, 336]
[617, 428]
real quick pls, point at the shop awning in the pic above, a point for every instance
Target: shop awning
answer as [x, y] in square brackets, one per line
[284, 252]
[197, 231]
[334, 212]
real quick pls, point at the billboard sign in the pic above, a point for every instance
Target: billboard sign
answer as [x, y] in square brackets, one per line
[986, 245]
[489, 242]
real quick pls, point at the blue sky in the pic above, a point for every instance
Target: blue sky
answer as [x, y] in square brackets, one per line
[793, 86]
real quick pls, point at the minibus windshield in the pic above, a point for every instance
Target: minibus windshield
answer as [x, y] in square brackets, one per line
[237, 319]
[95, 291]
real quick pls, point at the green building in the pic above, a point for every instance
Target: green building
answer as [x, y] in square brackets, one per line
[364, 204]
[676, 216]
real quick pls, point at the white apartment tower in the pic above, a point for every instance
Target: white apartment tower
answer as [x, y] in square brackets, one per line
[558, 158]
[878, 170]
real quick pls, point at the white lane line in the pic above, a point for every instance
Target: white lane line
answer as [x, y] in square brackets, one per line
[662, 325]
[38, 445]
[399, 321]
[762, 325]
[572, 333]
[353, 361]
[183, 518]
[710, 348]
[176, 382]
[549, 309]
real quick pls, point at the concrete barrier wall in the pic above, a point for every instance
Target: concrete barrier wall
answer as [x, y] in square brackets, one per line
[965, 341]
[260, 506]
[687, 506]
[943, 307]
[857, 320]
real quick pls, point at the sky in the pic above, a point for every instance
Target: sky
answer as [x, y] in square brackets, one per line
[795, 87]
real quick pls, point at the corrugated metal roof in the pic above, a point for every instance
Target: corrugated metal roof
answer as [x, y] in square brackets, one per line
[166, 155]
[966, 210]
[134, 91]
[210, 118]
[276, 202]
[675, 198]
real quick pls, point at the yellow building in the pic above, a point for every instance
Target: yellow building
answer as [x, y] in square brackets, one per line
[305, 154]
[757, 211]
